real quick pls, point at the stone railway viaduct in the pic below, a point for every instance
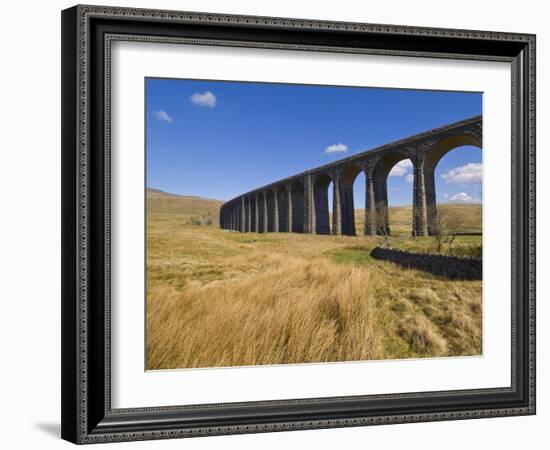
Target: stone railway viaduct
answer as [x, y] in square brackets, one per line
[299, 203]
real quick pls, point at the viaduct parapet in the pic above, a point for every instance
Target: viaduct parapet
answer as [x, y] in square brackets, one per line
[299, 203]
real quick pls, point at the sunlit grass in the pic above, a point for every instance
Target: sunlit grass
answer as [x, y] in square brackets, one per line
[222, 298]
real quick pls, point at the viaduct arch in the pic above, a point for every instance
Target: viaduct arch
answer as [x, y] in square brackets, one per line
[299, 203]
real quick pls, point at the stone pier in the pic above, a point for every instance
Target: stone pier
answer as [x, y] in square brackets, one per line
[299, 203]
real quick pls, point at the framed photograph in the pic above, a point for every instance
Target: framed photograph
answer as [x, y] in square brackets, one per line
[278, 224]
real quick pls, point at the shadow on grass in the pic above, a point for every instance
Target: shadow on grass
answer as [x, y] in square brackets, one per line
[453, 267]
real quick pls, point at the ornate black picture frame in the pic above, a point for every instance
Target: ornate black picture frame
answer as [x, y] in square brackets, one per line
[87, 415]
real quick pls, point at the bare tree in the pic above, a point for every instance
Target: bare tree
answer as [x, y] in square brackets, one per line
[446, 226]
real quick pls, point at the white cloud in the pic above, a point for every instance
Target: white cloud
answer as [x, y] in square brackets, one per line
[401, 168]
[163, 116]
[446, 195]
[207, 99]
[336, 148]
[409, 178]
[463, 197]
[471, 173]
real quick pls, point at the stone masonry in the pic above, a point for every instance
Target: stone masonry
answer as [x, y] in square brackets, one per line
[299, 203]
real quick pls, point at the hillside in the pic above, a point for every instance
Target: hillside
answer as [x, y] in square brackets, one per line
[197, 210]
[298, 297]
[190, 209]
[468, 215]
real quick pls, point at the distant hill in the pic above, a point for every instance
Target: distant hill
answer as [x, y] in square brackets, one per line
[189, 208]
[151, 192]
[470, 215]
[197, 210]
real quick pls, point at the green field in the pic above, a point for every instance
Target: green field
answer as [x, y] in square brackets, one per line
[223, 298]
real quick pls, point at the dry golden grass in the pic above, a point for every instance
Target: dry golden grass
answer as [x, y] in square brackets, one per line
[296, 312]
[220, 298]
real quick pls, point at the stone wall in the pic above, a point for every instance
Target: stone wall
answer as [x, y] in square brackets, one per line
[447, 266]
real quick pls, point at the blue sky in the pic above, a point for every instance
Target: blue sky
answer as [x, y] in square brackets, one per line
[219, 139]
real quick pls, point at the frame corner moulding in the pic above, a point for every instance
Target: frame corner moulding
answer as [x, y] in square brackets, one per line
[87, 35]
